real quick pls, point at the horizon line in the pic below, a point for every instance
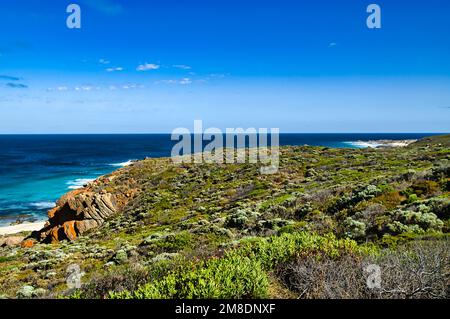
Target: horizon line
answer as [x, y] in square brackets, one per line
[169, 133]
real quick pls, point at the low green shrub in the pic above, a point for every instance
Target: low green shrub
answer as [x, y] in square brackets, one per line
[239, 219]
[241, 272]
[354, 229]
[231, 277]
[171, 242]
[418, 220]
[274, 250]
[412, 198]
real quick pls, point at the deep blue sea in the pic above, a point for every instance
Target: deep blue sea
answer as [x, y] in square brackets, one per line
[35, 170]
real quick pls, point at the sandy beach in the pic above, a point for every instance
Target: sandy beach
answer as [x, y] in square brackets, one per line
[9, 230]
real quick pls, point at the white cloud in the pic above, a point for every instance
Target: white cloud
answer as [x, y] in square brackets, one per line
[182, 66]
[130, 86]
[115, 69]
[166, 82]
[185, 81]
[87, 88]
[332, 44]
[104, 61]
[91, 88]
[147, 67]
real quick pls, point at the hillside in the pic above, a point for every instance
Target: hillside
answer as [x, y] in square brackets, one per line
[155, 229]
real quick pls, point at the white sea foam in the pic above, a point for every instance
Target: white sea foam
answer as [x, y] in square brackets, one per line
[79, 183]
[43, 205]
[127, 163]
[363, 144]
[380, 143]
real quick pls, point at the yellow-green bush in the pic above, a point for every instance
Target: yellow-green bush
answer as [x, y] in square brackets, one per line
[242, 271]
[231, 277]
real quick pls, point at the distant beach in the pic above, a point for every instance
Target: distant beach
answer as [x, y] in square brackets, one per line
[25, 227]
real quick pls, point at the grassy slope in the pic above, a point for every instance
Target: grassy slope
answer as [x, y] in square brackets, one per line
[186, 214]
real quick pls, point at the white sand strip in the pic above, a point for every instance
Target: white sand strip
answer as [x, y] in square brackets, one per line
[9, 230]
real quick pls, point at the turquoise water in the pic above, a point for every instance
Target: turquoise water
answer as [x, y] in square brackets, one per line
[35, 170]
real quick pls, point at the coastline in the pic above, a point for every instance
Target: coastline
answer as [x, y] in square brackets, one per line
[25, 227]
[146, 231]
[69, 179]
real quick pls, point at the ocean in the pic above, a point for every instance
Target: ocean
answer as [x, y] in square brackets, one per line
[35, 170]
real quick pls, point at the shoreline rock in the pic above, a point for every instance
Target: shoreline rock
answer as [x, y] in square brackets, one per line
[11, 241]
[76, 213]
[83, 209]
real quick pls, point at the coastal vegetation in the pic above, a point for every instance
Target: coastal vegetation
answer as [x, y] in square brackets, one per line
[226, 231]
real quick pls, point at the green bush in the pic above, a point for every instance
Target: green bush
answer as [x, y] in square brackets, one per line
[354, 229]
[241, 272]
[397, 227]
[427, 221]
[346, 201]
[275, 223]
[232, 277]
[414, 222]
[239, 219]
[412, 198]
[274, 250]
[171, 242]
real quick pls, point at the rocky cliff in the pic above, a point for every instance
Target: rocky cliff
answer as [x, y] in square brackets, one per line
[84, 209]
[76, 213]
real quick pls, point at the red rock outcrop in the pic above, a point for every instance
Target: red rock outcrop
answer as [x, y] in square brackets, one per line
[28, 243]
[84, 209]
[76, 213]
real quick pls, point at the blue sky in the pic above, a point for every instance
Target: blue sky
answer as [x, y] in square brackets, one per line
[152, 66]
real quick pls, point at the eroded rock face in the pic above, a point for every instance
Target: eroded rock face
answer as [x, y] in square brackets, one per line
[76, 213]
